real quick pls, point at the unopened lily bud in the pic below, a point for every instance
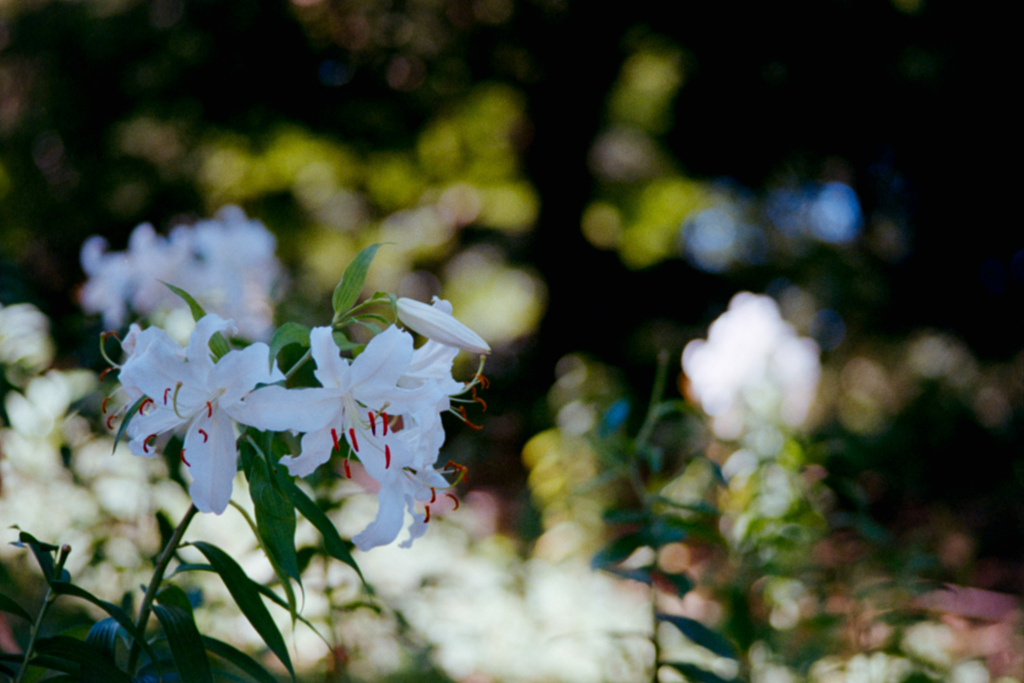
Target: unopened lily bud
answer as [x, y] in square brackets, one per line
[436, 322]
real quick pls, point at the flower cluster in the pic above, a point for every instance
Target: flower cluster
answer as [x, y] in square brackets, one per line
[227, 263]
[752, 366]
[383, 407]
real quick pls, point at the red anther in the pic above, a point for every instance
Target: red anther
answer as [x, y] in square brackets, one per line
[461, 469]
[373, 423]
[187, 463]
[103, 374]
[143, 405]
[352, 438]
[462, 409]
[433, 495]
[454, 499]
[334, 436]
[387, 456]
[206, 437]
[103, 406]
[479, 400]
[165, 394]
[110, 333]
[209, 409]
[348, 472]
[384, 416]
[145, 443]
[426, 508]
[484, 382]
[109, 419]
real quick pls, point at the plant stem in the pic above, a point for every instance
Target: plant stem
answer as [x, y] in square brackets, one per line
[156, 580]
[62, 557]
[660, 377]
[293, 369]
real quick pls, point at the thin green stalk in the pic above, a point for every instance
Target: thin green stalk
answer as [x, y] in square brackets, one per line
[62, 557]
[660, 377]
[154, 583]
[295, 368]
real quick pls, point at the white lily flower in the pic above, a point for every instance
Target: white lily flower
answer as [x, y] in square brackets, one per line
[356, 399]
[185, 387]
[436, 322]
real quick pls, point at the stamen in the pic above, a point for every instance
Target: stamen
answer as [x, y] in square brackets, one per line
[462, 410]
[348, 472]
[483, 381]
[209, 409]
[165, 394]
[109, 418]
[384, 416]
[373, 424]
[433, 494]
[145, 403]
[103, 374]
[352, 438]
[334, 436]
[479, 400]
[103, 406]
[187, 463]
[145, 443]
[174, 400]
[456, 467]
[387, 456]
[427, 518]
[454, 499]
[206, 437]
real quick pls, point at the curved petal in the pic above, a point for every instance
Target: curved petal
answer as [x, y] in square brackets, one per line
[277, 409]
[316, 450]
[211, 456]
[388, 523]
[332, 370]
[241, 370]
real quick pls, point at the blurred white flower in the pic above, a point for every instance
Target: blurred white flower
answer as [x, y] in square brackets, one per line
[25, 345]
[752, 368]
[226, 263]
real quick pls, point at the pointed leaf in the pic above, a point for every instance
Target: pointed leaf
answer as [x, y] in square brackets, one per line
[82, 654]
[695, 673]
[103, 637]
[118, 614]
[11, 607]
[246, 596]
[235, 656]
[701, 635]
[681, 583]
[42, 551]
[289, 333]
[185, 642]
[128, 416]
[348, 290]
[275, 519]
[193, 305]
[333, 543]
[619, 549]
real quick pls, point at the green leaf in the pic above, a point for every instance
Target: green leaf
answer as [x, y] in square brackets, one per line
[348, 290]
[42, 551]
[333, 544]
[128, 416]
[84, 655]
[289, 333]
[193, 305]
[118, 614]
[701, 635]
[681, 583]
[11, 607]
[103, 638]
[247, 597]
[695, 673]
[218, 344]
[235, 656]
[275, 519]
[619, 549]
[185, 642]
